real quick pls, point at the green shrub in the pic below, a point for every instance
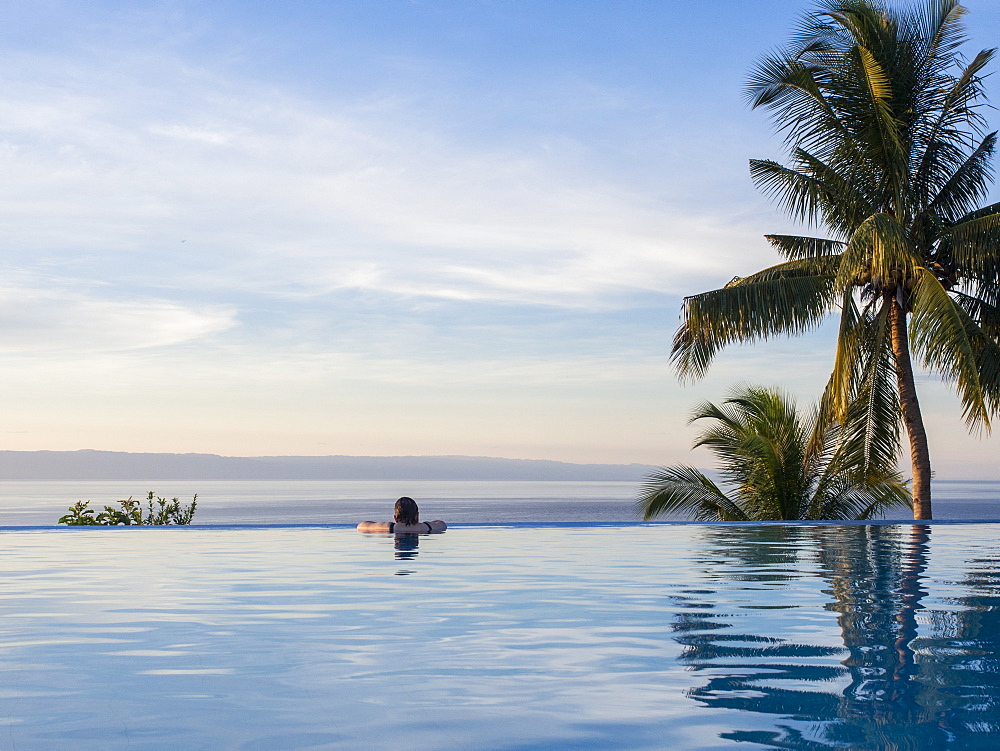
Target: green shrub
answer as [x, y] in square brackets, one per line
[130, 511]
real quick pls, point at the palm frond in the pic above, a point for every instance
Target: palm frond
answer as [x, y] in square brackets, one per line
[940, 335]
[841, 385]
[956, 100]
[880, 93]
[949, 119]
[802, 195]
[823, 437]
[745, 311]
[982, 326]
[984, 313]
[861, 393]
[771, 453]
[779, 80]
[798, 96]
[967, 185]
[849, 195]
[974, 246]
[860, 495]
[802, 268]
[946, 100]
[687, 492]
[748, 433]
[794, 248]
[873, 421]
[941, 25]
[993, 208]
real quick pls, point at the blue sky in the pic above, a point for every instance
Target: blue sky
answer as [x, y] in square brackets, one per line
[387, 227]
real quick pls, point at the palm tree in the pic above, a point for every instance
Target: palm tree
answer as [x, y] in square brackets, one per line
[782, 467]
[882, 120]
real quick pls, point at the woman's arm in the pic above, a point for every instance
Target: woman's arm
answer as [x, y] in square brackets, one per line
[373, 527]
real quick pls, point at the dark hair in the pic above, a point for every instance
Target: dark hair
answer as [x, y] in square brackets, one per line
[406, 511]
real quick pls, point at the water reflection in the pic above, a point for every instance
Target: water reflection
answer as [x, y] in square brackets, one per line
[961, 659]
[876, 576]
[771, 553]
[406, 546]
[907, 679]
[748, 668]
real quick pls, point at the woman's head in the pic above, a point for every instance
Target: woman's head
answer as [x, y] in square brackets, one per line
[406, 511]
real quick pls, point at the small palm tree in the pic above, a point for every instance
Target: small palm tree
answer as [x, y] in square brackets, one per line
[781, 466]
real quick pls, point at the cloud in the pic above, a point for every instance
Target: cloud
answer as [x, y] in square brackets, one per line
[221, 184]
[51, 320]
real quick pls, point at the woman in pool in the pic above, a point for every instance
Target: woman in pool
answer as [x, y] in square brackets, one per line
[407, 521]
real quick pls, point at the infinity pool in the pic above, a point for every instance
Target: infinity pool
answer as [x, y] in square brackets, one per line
[526, 637]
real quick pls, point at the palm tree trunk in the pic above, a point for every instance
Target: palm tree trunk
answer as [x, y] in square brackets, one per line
[920, 457]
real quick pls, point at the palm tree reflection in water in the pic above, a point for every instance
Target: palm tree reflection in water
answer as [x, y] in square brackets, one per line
[892, 689]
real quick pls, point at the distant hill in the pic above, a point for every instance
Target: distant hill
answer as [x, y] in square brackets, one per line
[116, 465]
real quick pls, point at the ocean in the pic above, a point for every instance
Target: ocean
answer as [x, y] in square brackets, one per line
[225, 502]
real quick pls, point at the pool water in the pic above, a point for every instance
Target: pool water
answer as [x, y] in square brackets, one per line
[678, 636]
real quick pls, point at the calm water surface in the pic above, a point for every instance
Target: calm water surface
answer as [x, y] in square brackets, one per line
[333, 501]
[517, 637]
[29, 503]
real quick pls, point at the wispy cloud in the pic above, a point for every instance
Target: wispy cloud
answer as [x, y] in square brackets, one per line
[60, 321]
[222, 184]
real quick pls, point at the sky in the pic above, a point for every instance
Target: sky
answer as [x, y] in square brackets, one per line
[405, 227]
